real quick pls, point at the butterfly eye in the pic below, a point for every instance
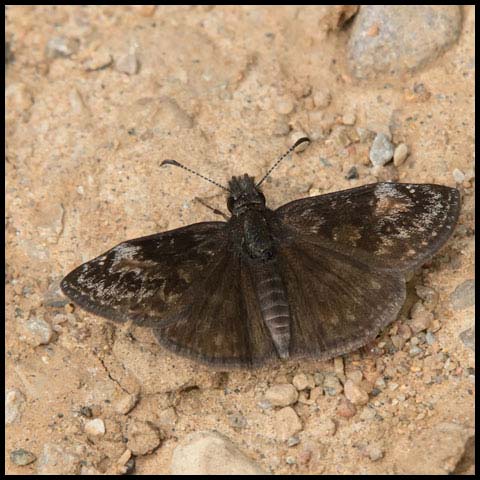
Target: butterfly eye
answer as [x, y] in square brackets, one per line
[230, 203]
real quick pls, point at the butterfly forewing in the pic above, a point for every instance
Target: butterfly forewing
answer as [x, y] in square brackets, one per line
[145, 278]
[401, 225]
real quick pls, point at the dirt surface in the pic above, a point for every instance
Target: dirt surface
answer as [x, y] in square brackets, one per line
[225, 90]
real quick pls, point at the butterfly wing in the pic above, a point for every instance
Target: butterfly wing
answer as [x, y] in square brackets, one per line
[148, 277]
[337, 302]
[400, 225]
[188, 284]
[222, 323]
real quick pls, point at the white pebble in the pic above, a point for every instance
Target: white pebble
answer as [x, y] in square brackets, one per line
[400, 154]
[95, 428]
[458, 175]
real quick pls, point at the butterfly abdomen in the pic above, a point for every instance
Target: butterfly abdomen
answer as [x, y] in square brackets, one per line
[272, 298]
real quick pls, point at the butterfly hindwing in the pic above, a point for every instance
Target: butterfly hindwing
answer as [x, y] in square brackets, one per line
[401, 225]
[337, 302]
[222, 323]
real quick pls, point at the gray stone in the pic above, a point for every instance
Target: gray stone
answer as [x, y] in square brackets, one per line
[22, 457]
[463, 296]
[38, 331]
[468, 338]
[14, 404]
[59, 460]
[127, 64]
[381, 151]
[393, 39]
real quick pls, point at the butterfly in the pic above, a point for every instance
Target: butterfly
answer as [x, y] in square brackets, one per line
[317, 277]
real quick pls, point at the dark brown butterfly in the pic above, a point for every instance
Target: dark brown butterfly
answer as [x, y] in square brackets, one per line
[319, 276]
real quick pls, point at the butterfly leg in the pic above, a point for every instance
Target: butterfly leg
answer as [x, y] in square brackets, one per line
[214, 210]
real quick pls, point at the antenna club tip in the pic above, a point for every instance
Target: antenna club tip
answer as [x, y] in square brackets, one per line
[169, 162]
[300, 141]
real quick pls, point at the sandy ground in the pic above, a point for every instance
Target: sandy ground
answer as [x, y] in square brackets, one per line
[223, 90]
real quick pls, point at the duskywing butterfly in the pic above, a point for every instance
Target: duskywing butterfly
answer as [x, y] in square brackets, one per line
[319, 276]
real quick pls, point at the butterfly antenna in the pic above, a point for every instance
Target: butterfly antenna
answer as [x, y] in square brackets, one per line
[288, 152]
[178, 164]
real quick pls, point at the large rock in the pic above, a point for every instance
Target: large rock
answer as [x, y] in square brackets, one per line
[394, 39]
[210, 453]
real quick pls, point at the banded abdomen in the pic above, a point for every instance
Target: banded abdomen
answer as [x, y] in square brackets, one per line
[273, 303]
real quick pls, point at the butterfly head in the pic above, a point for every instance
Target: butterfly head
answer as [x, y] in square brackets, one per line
[243, 193]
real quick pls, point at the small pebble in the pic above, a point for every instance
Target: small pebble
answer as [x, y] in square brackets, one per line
[39, 332]
[285, 105]
[318, 378]
[22, 457]
[458, 175]
[237, 420]
[463, 296]
[127, 64]
[339, 368]
[125, 457]
[301, 381]
[322, 99]
[380, 383]
[290, 460]
[400, 154]
[98, 60]
[430, 338]
[62, 47]
[414, 351]
[421, 317]
[428, 295]
[367, 414]
[381, 151]
[331, 385]
[281, 395]
[374, 453]
[14, 404]
[286, 423]
[95, 428]
[398, 341]
[355, 376]
[346, 409]
[125, 403]
[349, 119]
[264, 404]
[355, 394]
[292, 441]
[468, 338]
[352, 174]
